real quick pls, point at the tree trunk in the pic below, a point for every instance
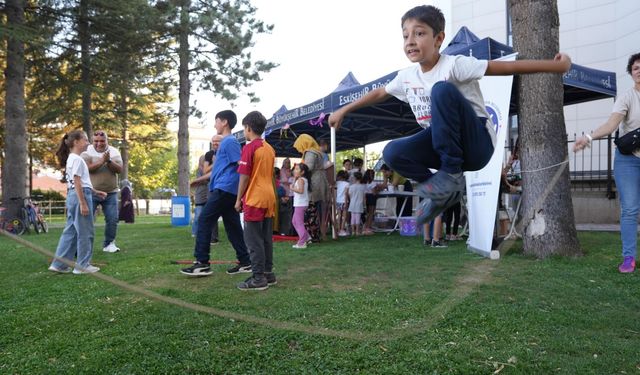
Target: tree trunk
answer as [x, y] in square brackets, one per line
[124, 148]
[549, 226]
[183, 96]
[85, 66]
[14, 168]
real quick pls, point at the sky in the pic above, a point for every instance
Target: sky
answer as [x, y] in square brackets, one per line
[316, 43]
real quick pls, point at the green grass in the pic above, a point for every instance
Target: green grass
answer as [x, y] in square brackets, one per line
[381, 304]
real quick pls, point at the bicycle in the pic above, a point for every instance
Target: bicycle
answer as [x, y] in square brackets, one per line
[14, 226]
[31, 216]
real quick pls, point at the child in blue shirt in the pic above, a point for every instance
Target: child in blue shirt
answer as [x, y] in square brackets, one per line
[445, 97]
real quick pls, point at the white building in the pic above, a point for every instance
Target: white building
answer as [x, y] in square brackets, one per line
[599, 34]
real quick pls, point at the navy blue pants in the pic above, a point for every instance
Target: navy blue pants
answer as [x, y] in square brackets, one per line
[456, 141]
[220, 203]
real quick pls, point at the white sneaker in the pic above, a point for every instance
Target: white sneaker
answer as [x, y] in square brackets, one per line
[58, 270]
[87, 269]
[111, 248]
[303, 246]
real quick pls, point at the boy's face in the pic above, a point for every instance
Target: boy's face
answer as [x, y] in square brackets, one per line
[220, 124]
[420, 44]
[347, 166]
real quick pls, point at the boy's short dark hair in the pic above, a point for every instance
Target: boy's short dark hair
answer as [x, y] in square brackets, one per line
[427, 14]
[228, 115]
[384, 167]
[357, 176]
[635, 57]
[342, 174]
[346, 161]
[255, 121]
[358, 162]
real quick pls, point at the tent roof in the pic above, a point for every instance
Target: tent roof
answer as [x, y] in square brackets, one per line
[393, 118]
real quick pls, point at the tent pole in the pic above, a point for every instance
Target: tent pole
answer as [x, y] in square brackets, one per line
[364, 159]
[334, 231]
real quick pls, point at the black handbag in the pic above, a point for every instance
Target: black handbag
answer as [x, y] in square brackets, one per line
[629, 142]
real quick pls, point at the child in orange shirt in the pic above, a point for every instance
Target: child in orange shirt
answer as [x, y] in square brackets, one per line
[257, 199]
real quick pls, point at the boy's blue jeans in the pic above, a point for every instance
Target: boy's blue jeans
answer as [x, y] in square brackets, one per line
[220, 203]
[456, 141]
[77, 235]
[626, 170]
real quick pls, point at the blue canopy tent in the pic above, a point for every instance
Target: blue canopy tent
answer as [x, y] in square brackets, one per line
[393, 118]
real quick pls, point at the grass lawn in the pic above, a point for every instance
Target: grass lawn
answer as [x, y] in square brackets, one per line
[380, 304]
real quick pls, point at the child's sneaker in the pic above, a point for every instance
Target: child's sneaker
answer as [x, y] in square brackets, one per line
[426, 242]
[88, 269]
[111, 248]
[246, 268]
[440, 192]
[271, 278]
[59, 270]
[197, 269]
[628, 265]
[438, 244]
[343, 233]
[254, 283]
[298, 246]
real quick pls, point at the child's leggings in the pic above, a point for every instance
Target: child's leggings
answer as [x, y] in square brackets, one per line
[298, 224]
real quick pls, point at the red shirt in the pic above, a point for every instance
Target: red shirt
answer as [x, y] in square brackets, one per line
[257, 161]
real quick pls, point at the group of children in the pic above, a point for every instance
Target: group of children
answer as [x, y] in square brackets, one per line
[445, 97]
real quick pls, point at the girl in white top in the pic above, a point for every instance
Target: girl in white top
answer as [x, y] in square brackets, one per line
[300, 189]
[342, 186]
[77, 236]
[356, 203]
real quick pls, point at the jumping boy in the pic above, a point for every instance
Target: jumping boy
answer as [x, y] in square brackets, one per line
[257, 199]
[445, 97]
[223, 188]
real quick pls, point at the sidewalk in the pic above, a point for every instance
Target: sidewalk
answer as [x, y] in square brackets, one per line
[598, 227]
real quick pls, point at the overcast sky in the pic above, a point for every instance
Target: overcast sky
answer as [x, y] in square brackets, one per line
[316, 44]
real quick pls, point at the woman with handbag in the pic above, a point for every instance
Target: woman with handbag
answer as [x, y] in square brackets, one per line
[626, 167]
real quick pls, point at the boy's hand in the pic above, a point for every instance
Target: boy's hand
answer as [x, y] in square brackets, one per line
[565, 60]
[100, 194]
[238, 206]
[84, 209]
[335, 119]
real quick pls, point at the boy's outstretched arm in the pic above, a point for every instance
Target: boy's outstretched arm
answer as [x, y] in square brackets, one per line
[561, 63]
[376, 96]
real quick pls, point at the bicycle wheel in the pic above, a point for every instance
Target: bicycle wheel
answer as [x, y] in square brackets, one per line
[16, 226]
[24, 218]
[34, 222]
[44, 226]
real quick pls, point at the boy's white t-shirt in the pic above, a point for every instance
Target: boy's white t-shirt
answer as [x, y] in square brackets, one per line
[341, 191]
[301, 199]
[413, 86]
[356, 197]
[77, 167]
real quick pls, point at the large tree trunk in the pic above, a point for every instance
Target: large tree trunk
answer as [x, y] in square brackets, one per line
[183, 96]
[14, 168]
[124, 148]
[85, 66]
[547, 206]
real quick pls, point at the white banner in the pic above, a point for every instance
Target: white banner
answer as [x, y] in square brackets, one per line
[483, 185]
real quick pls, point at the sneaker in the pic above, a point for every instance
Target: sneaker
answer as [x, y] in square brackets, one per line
[111, 248]
[254, 283]
[58, 270]
[435, 243]
[239, 269]
[271, 278]
[297, 246]
[426, 242]
[628, 265]
[440, 192]
[197, 269]
[87, 269]
[343, 233]
[215, 242]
